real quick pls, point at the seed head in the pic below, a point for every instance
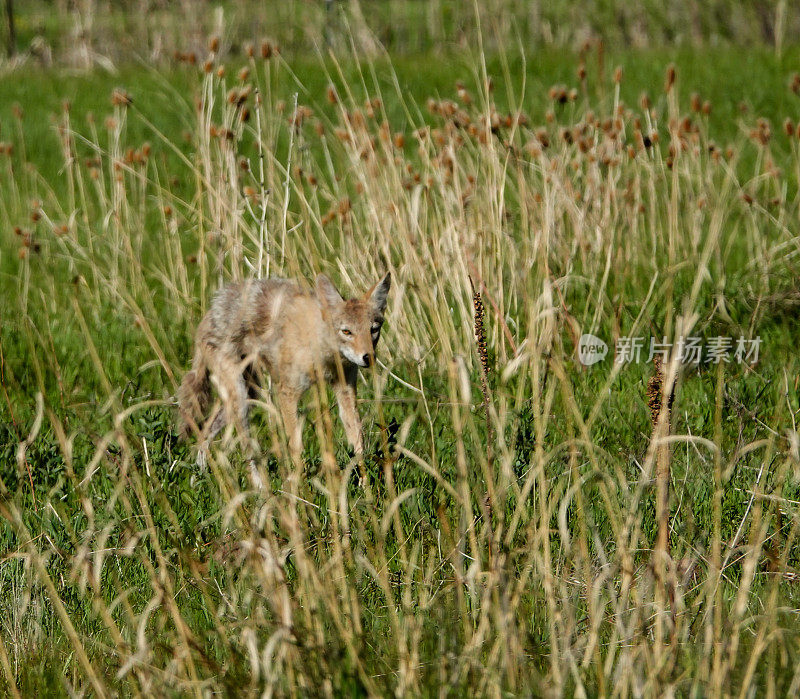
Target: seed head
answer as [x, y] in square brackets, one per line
[120, 98]
[480, 330]
[670, 78]
[655, 387]
[559, 94]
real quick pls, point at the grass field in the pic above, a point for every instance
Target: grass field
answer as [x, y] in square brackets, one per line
[520, 523]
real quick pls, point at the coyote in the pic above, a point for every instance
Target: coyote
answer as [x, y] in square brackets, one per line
[297, 335]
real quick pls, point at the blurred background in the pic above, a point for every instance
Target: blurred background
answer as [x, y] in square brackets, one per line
[81, 33]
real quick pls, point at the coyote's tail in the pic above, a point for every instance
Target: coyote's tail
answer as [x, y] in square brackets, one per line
[194, 395]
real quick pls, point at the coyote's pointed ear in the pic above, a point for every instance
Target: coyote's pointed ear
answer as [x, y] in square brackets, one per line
[378, 294]
[326, 291]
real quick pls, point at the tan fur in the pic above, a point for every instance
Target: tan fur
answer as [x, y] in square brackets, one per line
[296, 335]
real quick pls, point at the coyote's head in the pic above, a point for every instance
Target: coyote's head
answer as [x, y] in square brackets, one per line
[356, 323]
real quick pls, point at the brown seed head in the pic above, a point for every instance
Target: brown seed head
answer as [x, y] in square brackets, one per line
[543, 137]
[655, 389]
[120, 98]
[333, 98]
[670, 78]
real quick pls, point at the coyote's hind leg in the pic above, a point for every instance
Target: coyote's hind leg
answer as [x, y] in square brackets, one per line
[229, 380]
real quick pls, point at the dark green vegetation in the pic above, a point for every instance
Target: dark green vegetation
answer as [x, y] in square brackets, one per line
[516, 552]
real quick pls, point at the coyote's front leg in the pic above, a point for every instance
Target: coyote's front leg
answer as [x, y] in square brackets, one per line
[346, 397]
[288, 399]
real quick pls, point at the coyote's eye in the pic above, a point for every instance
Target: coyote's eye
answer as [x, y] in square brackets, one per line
[345, 332]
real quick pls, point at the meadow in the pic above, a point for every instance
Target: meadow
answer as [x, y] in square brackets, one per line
[520, 522]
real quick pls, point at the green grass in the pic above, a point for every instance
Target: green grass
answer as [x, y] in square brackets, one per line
[741, 85]
[410, 593]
